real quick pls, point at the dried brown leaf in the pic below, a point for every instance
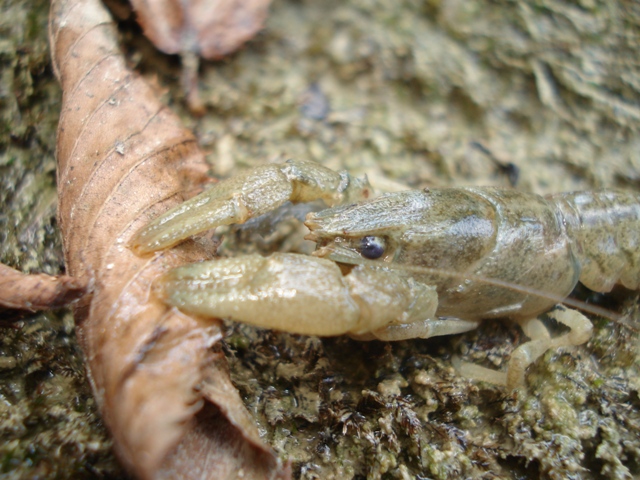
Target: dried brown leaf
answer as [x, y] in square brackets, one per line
[199, 28]
[37, 291]
[208, 28]
[123, 157]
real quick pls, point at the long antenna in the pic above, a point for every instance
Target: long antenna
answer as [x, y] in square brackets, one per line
[571, 302]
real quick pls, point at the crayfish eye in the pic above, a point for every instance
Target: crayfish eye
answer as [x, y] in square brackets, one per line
[372, 247]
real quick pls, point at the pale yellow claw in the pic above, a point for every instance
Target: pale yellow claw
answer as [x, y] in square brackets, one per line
[249, 195]
[271, 292]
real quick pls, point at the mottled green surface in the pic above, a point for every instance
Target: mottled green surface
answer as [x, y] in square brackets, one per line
[402, 92]
[48, 420]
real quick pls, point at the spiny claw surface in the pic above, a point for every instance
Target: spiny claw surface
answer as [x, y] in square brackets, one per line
[249, 195]
[297, 294]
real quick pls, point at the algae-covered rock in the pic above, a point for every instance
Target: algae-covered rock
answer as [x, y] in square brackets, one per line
[48, 421]
[543, 96]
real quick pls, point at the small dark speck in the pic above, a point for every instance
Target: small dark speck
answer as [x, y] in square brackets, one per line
[314, 104]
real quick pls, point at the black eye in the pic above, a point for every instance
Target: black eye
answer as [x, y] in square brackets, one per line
[372, 247]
